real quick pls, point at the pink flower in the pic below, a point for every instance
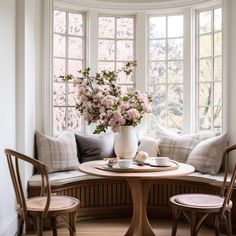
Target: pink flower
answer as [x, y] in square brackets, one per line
[133, 114]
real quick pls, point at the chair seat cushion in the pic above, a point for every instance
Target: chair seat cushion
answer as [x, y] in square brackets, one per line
[57, 203]
[199, 200]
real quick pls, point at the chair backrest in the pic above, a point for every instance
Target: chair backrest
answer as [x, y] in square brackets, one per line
[227, 189]
[13, 164]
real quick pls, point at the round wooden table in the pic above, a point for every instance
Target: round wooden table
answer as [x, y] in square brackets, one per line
[139, 184]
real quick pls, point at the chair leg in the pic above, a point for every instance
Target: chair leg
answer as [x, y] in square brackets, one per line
[216, 225]
[39, 225]
[193, 223]
[20, 226]
[72, 223]
[176, 214]
[54, 225]
[228, 223]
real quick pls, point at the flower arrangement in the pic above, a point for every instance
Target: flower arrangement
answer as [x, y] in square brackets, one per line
[102, 102]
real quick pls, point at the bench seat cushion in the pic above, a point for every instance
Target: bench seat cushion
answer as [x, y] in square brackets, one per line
[65, 177]
[206, 178]
[61, 178]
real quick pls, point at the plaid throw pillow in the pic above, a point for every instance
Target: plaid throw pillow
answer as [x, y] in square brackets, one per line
[177, 148]
[207, 156]
[58, 153]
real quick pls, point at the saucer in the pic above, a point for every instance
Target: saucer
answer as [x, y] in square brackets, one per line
[116, 166]
[153, 163]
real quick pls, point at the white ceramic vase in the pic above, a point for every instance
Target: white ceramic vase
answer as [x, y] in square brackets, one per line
[126, 143]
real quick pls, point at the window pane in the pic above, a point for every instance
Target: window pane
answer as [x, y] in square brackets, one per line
[205, 46]
[175, 49]
[106, 66]
[157, 72]
[218, 19]
[75, 48]
[59, 119]
[175, 72]
[58, 67]
[218, 44]
[59, 24]
[125, 28]
[124, 50]
[205, 22]
[122, 77]
[218, 94]
[59, 94]
[72, 95]
[175, 26]
[126, 89]
[158, 93]
[175, 97]
[218, 68]
[75, 24]
[106, 50]
[59, 44]
[218, 119]
[205, 91]
[205, 114]
[74, 120]
[157, 27]
[175, 118]
[74, 66]
[106, 27]
[157, 50]
[205, 70]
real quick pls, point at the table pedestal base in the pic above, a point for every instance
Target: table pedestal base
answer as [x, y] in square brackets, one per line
[139, 225]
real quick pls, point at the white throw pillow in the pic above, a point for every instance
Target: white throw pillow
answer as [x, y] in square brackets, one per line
[150, 146]
[207, 156]
[58, 153]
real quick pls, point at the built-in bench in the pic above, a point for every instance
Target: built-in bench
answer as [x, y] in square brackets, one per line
[102, 197]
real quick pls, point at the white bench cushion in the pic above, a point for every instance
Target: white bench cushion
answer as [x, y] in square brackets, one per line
[64, 177]
[61, 178]
[206, 178]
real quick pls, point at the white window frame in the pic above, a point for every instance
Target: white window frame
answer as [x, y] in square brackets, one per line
[141, 12]
[66, 58]
[115, 39]
[166, 60]
[212, 57]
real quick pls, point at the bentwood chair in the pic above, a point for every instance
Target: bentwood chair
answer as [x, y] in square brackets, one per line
[36, 209]
[196, 207]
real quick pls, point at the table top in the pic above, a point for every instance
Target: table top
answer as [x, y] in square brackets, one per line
[90, 168]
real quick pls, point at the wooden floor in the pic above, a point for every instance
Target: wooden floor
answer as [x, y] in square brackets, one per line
[117, 227]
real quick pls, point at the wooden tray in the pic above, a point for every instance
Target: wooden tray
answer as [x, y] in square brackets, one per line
[137, 168]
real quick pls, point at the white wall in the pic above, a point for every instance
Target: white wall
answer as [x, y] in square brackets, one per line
[232, 77]
[20, 87]
[28, 73]
[7, 117]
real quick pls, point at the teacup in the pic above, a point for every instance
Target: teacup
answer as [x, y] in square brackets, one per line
[162, 161]
[125, 163]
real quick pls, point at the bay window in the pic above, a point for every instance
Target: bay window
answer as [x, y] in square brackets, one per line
[111, 42]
